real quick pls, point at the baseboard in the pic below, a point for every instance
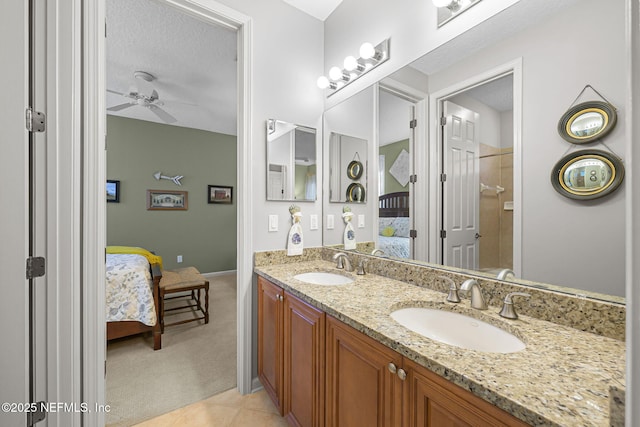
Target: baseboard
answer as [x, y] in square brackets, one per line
[219, 273]
[256, 385]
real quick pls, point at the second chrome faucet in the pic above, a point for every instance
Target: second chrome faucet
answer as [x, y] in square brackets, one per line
[477, 300]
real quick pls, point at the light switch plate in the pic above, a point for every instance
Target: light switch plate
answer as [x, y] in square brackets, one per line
[313, 222]
[330, 220]
[361, 221]
[273, 222]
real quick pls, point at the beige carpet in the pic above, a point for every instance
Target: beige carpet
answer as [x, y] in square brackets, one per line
[196, 361]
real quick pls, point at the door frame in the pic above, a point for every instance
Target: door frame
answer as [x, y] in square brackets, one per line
[436, 101]
[419, 168]
[93, 204]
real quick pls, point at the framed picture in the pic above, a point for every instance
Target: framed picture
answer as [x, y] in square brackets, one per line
[220, 194]
[164, 200]
[113, 191]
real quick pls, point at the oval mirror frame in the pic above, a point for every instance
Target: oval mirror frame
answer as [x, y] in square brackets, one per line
[355, 169]
[599, 159]
[591, 130]
[355, 192]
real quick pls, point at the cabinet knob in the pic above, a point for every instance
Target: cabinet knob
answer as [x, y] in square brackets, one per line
[402, 374]
[392, 368]
[281, 298]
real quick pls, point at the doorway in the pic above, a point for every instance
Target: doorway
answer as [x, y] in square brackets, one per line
[172, 129]
[478, 152]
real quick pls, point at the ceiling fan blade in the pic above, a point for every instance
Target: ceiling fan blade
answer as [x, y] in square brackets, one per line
[164, 116]
[120, 107]
[116, 92]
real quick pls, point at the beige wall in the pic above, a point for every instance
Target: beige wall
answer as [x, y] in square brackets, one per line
[205, 234]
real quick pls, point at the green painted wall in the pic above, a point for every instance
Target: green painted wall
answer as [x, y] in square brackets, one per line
[205, 234]
[391, 152]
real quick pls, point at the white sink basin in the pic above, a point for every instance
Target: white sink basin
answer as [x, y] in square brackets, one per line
[458, 330]
[322, 278]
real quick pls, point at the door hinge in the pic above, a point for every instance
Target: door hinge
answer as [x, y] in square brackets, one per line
[37, 415]
[443, 234]
[413, 178]
[443, 177]
[413, 124]
[443, 121]
[413, 234]
[35, 120]
[35, 267]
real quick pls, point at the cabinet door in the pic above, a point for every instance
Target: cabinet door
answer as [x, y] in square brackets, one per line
[431, 400]
[270, 339]
[304, 329]
[361, 389]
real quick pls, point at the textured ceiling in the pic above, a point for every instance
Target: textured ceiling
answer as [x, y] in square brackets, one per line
[194, 64]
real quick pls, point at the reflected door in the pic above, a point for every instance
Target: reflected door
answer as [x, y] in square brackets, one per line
[460, 189]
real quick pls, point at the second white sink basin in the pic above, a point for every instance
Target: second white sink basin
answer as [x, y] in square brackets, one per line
[458, 330]
[323, 278]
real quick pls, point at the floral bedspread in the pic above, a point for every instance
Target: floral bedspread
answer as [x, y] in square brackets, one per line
[129, 295]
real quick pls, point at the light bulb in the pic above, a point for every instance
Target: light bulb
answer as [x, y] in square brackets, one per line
[367, 51]
[335, 73]
[441, 3]
[323, 82]
[350, 63]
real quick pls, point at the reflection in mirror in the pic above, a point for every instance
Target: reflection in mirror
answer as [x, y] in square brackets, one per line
[346, 168]
[587, 174]
[347, 149]
[291, 161]
[587, 122]
[556, 238]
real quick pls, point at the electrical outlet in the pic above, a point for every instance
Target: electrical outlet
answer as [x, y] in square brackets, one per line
[313, 222]
[179, 259]
[360, 221]
[273, 222]
[330, 221]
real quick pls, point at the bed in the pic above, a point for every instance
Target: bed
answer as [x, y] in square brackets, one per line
[132, 292]
[393, 224]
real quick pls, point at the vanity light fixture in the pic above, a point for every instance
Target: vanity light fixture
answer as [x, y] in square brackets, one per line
[370, 57]
[449, 9]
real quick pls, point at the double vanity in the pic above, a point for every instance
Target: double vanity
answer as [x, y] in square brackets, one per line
[387, 346]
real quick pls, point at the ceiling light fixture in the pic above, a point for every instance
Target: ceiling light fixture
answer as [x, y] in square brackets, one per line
[449, 9]
[370, 57]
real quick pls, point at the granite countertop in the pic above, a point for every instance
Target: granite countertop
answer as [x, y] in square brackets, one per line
[562, 377]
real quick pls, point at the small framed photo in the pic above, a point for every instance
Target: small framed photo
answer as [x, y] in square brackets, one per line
[113, 191]
[220, 194]
[163, 200]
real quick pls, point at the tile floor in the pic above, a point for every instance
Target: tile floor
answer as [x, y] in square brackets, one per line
[227, 409]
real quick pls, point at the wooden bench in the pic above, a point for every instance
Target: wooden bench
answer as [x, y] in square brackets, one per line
[182, 280]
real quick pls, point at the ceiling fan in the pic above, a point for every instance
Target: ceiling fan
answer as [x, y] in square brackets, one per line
[150, 101]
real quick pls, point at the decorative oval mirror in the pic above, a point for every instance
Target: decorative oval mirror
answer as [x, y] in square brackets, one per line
[587, 174]
[355, 192]
[355, 169]
[587, 122]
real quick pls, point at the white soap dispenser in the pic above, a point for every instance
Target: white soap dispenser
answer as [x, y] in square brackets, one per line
[349, 232]
[295, 244]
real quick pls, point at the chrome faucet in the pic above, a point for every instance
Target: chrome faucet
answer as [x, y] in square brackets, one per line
[377, 252]
[342, 261]
[453, 289]
[477, 300]
[361, 265]
[508, 310]
[502, 274]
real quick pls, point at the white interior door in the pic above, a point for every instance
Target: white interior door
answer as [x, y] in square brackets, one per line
[460, 188]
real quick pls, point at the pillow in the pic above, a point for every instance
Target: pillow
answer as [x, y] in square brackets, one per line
[388, 231]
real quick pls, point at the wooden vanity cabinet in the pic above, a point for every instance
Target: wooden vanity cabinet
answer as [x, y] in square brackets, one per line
[320, 372]
[291, 351]
[430, 400]
[362, 390]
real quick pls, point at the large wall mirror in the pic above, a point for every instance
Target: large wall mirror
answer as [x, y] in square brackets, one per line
[291, 162]
[348, 132]
[519, 221]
